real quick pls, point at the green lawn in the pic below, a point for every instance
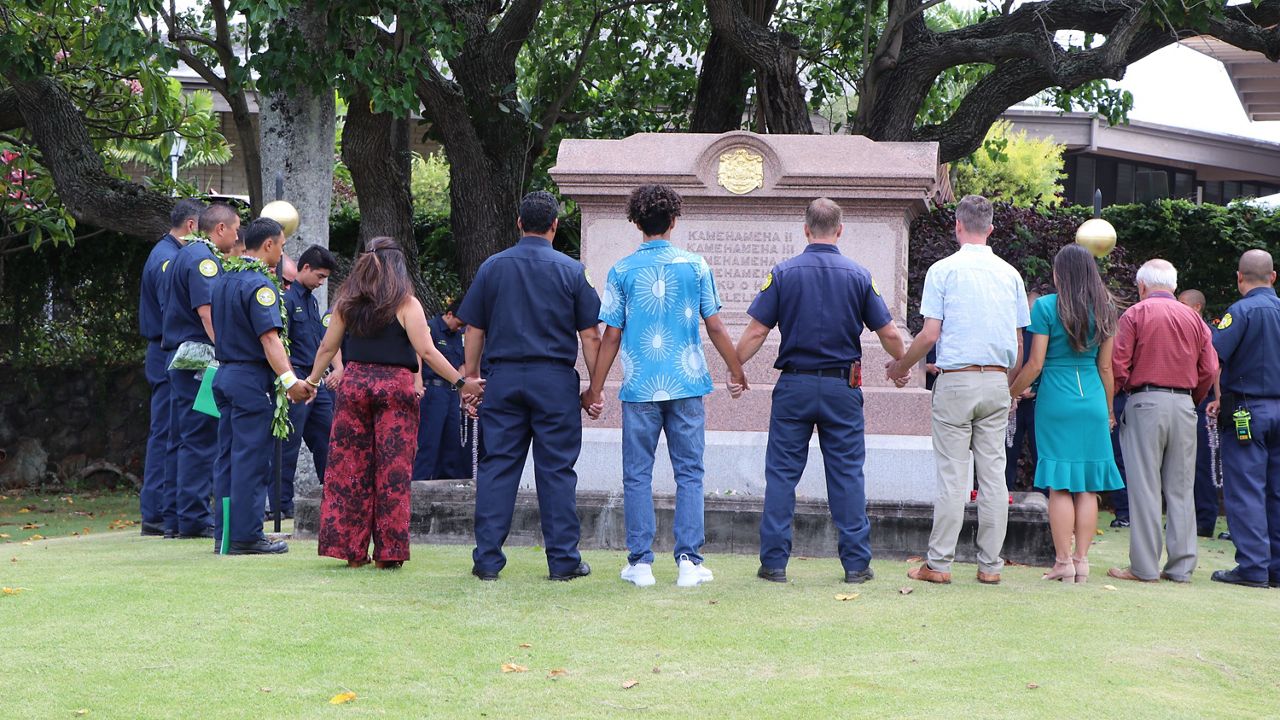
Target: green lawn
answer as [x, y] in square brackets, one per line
[24, 516]
[131, 627]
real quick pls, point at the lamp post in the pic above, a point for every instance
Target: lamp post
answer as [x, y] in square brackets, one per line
[176, 151]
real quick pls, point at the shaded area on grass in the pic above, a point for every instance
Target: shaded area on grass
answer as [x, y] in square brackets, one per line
[25, 516]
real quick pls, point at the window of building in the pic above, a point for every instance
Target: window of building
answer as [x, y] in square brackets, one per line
[1125, 174]
[1184, 186]
[1230, 191]
[1084, 184]
[1213, 192]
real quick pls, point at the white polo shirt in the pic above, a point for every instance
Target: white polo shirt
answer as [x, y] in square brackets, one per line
[982, 304]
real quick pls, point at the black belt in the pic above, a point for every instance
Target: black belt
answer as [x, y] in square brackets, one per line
[1161, 388]
[842, 373]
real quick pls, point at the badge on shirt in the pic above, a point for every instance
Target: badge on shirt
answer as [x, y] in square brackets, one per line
[208, 268]
[325, 320]
[266, 297]
[164, 267]
[768, 280]
[1225, 322]
[586, 274]
[874, 288]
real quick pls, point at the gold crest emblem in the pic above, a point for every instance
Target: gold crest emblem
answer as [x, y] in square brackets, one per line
[874, 288]
[1225, 322]
[325, 320]
[768, 280]
[208, 268]
[741, 171]
[164, 267]
[587, 275]
[266, 297]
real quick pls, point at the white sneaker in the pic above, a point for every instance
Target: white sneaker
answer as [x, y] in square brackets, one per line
[690, 574]
[640, 574]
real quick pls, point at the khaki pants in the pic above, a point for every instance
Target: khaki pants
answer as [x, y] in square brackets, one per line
[970, 414]
[1158, 439]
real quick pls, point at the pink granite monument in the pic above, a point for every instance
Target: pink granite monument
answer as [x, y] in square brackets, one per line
[744, 202]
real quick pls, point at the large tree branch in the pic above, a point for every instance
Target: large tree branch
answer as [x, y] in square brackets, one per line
[773, 55]
[513, 29]
[10, 116]
[88, 191]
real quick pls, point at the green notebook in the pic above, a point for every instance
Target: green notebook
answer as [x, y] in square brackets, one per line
[204, 397]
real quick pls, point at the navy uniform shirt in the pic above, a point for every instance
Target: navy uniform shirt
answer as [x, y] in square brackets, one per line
[531, 301]
[820, 300]
[155, 287]
[448, 342]
[245, 305]
[307, 325]
[1248, 343]
[191, 278]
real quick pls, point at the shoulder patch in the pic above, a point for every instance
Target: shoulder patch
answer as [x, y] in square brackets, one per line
[325, 320]
[164, 267]
[768, 280]
[1225, 322]
[587, 274]
[265, 296]
[208, 267]
[874, 288]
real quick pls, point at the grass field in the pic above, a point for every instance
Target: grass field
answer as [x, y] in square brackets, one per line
[121, 626]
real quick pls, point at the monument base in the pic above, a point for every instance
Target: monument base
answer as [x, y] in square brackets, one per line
[444, 513]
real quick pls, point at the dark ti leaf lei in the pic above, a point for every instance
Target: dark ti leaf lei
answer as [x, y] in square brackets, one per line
[280, 425]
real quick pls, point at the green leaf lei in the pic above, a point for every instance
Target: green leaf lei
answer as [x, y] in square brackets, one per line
[280, 425]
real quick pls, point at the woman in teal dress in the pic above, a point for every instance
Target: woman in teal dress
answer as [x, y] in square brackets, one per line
[1072, 336]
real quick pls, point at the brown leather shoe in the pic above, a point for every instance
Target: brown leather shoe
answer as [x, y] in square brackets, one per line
[988, 578]
[1170, 578]
[928, 574]
[1127, 574]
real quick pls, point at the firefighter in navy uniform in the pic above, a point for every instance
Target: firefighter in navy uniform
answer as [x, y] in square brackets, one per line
[311, 421]
[247, 324]
[440, 451]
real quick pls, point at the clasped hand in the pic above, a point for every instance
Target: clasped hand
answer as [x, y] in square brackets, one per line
[301, 392]
[900, 376]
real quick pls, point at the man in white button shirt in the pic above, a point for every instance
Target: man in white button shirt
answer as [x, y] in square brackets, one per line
[974, 305]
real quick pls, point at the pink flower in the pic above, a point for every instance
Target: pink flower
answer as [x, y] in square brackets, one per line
[135, 87]
[9, 156]
[61, 55]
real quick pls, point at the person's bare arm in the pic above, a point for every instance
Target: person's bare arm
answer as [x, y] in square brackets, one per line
[334, 378]
[892, 342]
[1107, 373]
[278, 359]
[920, 347]
[329, 348]
[590, 349]
[1017, 363]
[751, 341]
[473, 351]
[415, 325]
[1034, 365]
[723, 343]
[206, 318]
[1215, 405]
[605, 356]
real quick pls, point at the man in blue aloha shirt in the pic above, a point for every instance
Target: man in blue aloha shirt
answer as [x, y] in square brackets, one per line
[653, 302]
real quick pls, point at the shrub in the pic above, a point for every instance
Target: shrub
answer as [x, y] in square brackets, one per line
[1012, 167]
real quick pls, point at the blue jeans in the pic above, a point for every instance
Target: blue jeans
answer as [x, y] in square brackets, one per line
[684, 422]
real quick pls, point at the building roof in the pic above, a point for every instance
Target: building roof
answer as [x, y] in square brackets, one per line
[1211, 155]
[1256, 79]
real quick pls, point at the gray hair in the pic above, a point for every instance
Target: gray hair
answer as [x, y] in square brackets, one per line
[974, 213]
[823, 217]
[1158, 275]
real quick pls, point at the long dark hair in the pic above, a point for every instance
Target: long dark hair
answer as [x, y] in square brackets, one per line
[1083, 299]
[375, 289]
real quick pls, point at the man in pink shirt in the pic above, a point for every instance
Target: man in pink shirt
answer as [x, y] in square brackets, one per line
[1164, 359]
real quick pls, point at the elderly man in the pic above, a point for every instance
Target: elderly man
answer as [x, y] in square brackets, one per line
[1248, 341]
[1164, 359]
[973, 305]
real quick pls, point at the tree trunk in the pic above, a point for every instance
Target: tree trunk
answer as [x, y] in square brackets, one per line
[484, 197]
[774, 55]
[297, 142]
[723, 82]
[247, 135]
[90, 194]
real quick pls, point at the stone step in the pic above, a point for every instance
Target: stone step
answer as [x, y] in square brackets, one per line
[443, 513]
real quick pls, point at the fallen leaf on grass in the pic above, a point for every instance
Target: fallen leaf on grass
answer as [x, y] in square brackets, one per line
[906, 590]
[557, 673]
[1108, 587]
[37, 536]
[11, 591]
[81, 712]
[525, 646]
[657, 670]
[32, 526]
[713, 602]
[513, 668]
[1032, 686]
[14, 559]
[23, 510]
[630, 684]
[4, 536]
[845, 597]
[26, 542]
[1099, 531]
[68, 500]
[264, 689]
[342, 698]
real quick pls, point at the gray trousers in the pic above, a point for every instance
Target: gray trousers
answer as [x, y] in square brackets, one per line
[970, 414]
[1158, 439]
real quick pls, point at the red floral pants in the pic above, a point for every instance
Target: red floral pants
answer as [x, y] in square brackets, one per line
[371, 451]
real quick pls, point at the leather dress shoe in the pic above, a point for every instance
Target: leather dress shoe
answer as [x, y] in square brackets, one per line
[1232, 577]
[988, 578]
[928, 574]
[857, 577]
[1170, 578]
[152, 529]
[1274, 582]
[778, 575]
[1118, 523]
[486, 575]
[1127, 574]
[258, 547]
[582, 570]
[206, 533]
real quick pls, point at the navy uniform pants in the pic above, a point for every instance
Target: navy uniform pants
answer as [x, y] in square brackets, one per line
[1025, 432]
[1206, 494]
[440, 455]
[1251, 490]
[524, 403]
[1119, 498]
[799, 403]
[245, 394]
[195, 442]
[312, 423]
[157, 469]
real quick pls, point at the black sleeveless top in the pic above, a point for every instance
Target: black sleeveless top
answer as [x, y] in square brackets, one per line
[388, 346]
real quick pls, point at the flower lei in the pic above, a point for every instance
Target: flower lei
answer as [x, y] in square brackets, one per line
[280, 425]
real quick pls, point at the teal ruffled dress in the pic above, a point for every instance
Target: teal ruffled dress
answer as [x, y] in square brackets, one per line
[1073, 434]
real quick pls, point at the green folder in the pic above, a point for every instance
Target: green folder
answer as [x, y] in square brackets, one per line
[204, 397]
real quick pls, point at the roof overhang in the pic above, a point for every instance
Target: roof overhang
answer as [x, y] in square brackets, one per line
[1256, 79]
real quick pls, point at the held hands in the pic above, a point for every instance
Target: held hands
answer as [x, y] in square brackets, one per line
[1213, 408]
[472, 392]
[894, 371]
[301, 391]
[737, 385]
[592, 403]
[418, 389]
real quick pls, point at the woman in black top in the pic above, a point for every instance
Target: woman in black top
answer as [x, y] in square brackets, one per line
[383, 333]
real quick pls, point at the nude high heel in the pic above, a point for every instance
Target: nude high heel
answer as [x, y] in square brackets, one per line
[1063, 570]
[1082, 569]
